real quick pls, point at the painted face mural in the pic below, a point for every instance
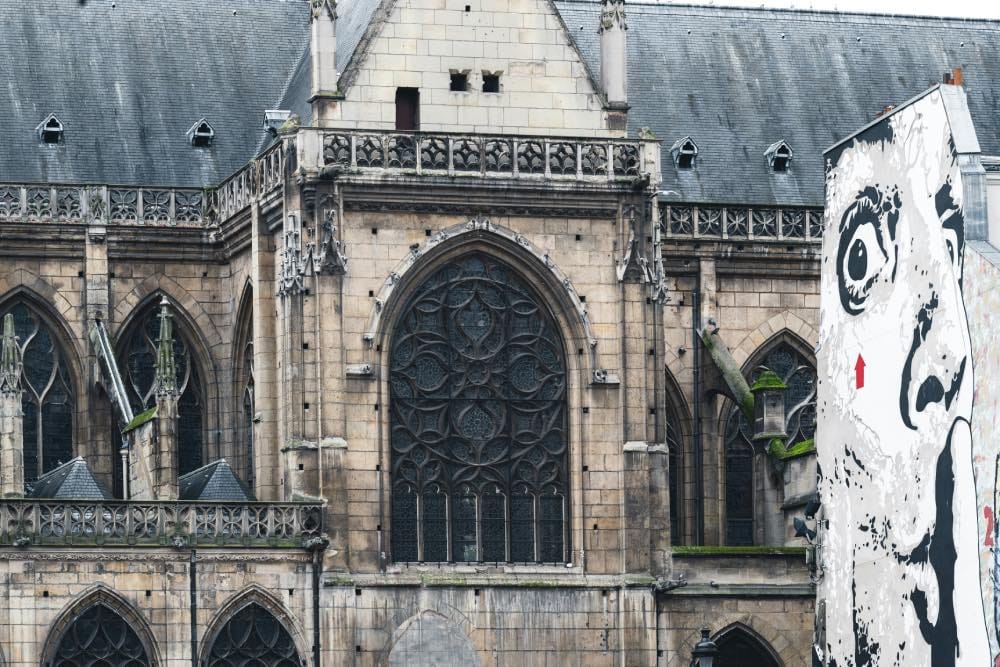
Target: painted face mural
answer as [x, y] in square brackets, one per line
[900, 579]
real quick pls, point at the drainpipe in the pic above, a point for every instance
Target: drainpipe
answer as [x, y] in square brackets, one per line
[699, 481]
[193, 577]
[317, 567]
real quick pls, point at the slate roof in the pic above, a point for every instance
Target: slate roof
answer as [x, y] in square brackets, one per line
[737, 80]
[72, 480]
[214, 482]
[128, 78]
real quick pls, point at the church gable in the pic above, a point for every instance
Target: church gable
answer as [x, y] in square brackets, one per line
[470, 66]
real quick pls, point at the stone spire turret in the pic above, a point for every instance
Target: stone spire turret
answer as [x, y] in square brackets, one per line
[614, 70]
[166, 365]
[11, 416]
[323, 47]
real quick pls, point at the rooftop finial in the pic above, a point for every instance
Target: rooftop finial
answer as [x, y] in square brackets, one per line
[10, 358]
[166, 367]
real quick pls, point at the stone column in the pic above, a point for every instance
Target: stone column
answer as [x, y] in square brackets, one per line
[614, 68]
[11, 417]
[659, 510]
[323, 36]
[636, 492]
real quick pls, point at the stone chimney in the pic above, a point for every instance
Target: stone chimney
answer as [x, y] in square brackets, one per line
[11, 417]
[614, 68]
[323, 47]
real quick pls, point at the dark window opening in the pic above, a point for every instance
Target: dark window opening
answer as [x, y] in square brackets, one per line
[781, 159]
[407, 108]
[52, 132]
[202, 135]
[254, 636]
[685, 160]
[100, 636]
[459, 82]
[491, 82]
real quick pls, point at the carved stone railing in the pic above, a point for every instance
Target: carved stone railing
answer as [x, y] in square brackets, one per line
[175, 207]
[107, 204]
[684, 221]
[157, 524]
[516, 157]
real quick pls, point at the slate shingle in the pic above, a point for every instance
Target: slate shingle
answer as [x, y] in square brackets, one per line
[214, 482]
[72, 480]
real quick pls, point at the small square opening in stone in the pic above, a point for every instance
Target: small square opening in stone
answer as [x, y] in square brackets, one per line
[459, 82]
[491, 82]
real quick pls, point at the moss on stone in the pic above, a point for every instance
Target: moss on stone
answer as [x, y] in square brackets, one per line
[140, 419]
[776, 448]
[768, 380]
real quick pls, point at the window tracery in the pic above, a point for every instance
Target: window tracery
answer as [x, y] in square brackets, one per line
[253, 637]
[47, 398]
[99, 636]
[799, 376]
[478, 421]
[248, 414]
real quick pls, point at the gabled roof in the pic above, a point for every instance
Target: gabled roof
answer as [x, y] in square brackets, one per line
[72, 480]
[214, 482]
[129, 77]
[741, 79]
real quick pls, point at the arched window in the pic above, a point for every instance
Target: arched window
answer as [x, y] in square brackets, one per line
[139, 369]
[478, 419]
[47, 396]
[799, 375]
[740, 648]
[99, 636]
[253, 637]
[246, 461]
[675, 477]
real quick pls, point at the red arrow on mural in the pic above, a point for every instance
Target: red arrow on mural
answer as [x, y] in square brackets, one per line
[859, 372]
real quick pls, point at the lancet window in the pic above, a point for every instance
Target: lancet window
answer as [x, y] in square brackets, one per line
[99, 636]
[253, 637]
[47, 397]
[247, 458]
[478, 421]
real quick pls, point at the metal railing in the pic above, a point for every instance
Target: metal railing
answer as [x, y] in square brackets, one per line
[28, 522]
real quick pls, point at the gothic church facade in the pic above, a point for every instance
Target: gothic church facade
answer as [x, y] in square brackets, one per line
[419, 332]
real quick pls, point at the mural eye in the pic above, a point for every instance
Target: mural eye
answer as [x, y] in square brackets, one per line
[861, 257]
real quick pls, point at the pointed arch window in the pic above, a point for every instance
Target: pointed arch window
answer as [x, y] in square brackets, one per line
[99, 636]
[47, 397]
[674, 476]
[478, 421]
[139, 368]
[247, 458]
[253, 637]
[799, 375]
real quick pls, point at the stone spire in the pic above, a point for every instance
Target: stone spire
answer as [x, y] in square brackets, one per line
[11, 416]
[323, 36]
[614, 71]
[10, 358]
[166, 366]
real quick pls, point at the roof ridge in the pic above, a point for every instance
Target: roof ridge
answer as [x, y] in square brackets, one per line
[652, 6]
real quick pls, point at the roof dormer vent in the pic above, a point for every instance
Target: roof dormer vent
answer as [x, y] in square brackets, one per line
[275, 118]
[684, 152]
[50, 130]
[779, 156]
[201, 134]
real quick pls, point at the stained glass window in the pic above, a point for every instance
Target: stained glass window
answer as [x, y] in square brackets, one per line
[139, 369]
[47, 396]
[800, 424]
[674, 476]
[478, 419]
[99, 636]
[253, 637]
[246, 460]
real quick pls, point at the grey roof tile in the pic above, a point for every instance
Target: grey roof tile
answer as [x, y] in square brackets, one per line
[737, 80]
[72, 480]
[214, 482]
[127, 79]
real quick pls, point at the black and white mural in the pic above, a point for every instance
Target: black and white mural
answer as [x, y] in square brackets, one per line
[900, 573]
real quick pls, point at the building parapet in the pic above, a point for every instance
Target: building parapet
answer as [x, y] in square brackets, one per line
[483, 155]
[743, 223]
[26, 522]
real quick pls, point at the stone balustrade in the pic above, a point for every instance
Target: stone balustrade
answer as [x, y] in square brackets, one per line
[25, 522]
[515, 157]
[740, 223]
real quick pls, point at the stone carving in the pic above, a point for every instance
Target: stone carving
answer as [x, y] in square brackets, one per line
[329, 257]
[323, 7]
[10, 358]
[166, 365]
[293, 264]
[613, 15]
